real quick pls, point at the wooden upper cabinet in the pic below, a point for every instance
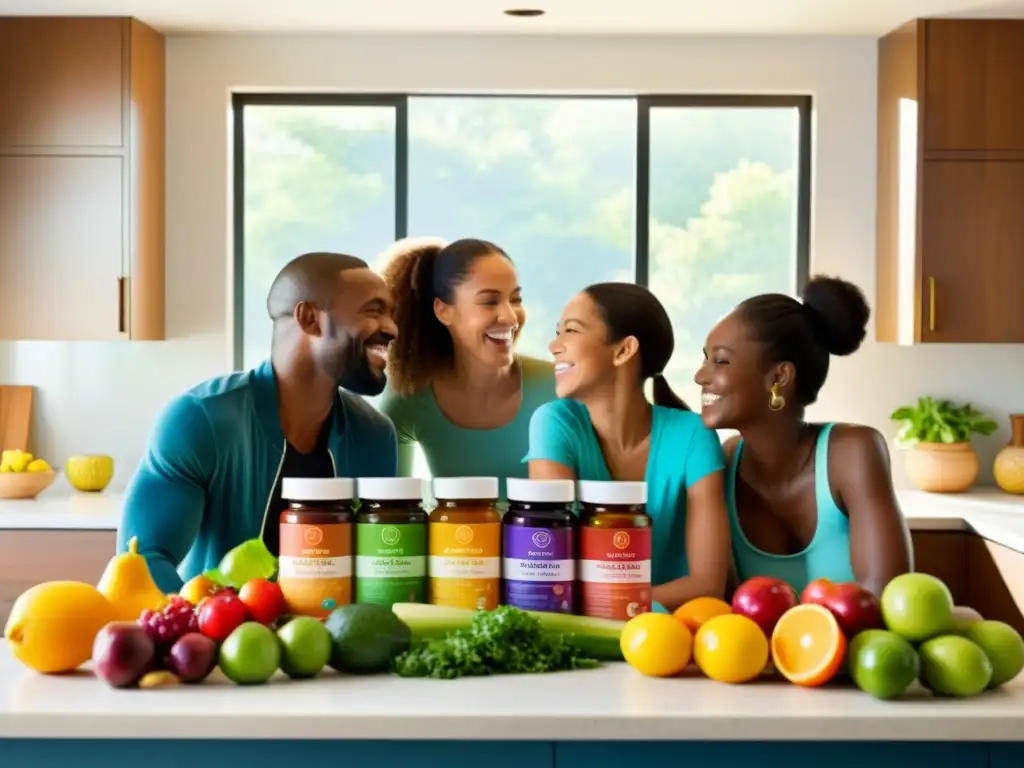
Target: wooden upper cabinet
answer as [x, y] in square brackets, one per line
[972, 244]
[950, 182]
[974, 85]
[61, 82]
[81, 179]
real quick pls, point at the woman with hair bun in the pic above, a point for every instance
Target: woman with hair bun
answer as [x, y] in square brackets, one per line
[612, 338]
[806, 501]
[456, 386]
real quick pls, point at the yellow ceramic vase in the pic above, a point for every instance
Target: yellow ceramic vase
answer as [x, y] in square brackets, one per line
[943, 467]
[1009, 464]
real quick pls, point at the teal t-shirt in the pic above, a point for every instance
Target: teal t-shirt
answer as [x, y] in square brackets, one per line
[682, 452]
[828, 554]
[454, 451]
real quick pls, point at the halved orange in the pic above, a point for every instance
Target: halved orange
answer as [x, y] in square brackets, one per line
[807, 645]
[693, 613]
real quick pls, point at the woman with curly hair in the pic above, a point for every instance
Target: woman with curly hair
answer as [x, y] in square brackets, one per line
[456, 386]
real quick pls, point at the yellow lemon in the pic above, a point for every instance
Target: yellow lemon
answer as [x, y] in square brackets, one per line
[53, 625]
[38, 465]
[730, 649]
[656, 645]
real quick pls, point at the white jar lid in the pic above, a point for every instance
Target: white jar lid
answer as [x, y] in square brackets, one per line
[390, 488]
[612, 492]
[453, 488]
[540, 491]
[317, 488]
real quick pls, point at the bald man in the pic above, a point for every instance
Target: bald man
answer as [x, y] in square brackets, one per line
[211, 475]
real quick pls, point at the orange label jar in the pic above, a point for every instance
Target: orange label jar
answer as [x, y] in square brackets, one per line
[615, 550]
[315, 562]
[464, 534]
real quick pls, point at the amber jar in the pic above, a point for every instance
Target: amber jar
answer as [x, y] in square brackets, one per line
[315, 562]
[391, 541]
[464, 535]
[614, 549]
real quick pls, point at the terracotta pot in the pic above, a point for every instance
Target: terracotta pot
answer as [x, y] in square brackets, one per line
[942, 467]
[1009, 464]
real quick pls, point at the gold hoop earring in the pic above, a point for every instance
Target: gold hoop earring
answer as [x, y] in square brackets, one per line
[776, 402]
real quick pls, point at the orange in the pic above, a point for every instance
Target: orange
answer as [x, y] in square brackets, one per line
[695, 612]
[808, 646]
[52, 626]
[656, 645]
[730, 648]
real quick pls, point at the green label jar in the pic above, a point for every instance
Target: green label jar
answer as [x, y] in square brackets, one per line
[391, 541]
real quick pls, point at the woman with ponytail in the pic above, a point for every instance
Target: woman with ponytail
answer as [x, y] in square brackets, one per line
[612, 338]
[806, 501]
[456, 386]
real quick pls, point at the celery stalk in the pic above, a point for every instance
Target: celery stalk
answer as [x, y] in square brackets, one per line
[597, 638]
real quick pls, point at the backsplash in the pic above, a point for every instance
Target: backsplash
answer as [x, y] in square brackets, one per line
[103, 397]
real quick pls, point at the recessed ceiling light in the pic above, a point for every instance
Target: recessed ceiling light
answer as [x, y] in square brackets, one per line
[524, 12]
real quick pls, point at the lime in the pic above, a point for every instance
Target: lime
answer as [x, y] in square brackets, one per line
[365, 638]
[882, 664]
[250, 655]
[1002, 644]
[305, 647]
[954, 666]
[917, 606]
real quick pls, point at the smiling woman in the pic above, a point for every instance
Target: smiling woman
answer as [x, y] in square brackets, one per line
[611, 339]
[456, 387]
[806, 501]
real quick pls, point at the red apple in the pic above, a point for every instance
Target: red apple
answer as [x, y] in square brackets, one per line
[220, 615]
[763, 599]
[817, 591]
[855, 608]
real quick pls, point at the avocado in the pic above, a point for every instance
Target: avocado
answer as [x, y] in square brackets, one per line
[365, 638]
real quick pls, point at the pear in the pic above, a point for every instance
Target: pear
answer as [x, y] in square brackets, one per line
[127, 583]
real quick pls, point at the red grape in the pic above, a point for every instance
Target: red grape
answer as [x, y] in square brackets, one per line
[166, 626]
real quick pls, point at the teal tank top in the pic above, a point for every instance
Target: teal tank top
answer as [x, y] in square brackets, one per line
[828, 554]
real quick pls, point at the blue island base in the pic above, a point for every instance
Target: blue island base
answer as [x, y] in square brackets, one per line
[232, 753]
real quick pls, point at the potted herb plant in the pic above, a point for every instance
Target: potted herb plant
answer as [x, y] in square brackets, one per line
[941, 457]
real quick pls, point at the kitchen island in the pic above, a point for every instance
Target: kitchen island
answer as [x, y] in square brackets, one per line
[600, 718]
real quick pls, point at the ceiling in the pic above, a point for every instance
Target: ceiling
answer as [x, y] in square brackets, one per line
[832, 17]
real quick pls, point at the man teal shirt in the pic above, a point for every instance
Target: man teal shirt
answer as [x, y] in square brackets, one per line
[209, 478]
[682, 452]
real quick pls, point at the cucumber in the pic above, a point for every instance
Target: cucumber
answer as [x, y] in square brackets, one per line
[596, 638]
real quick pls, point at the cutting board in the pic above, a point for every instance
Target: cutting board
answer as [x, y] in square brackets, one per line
[15, 417]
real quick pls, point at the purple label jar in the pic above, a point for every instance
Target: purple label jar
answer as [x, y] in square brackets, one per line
[538, 557]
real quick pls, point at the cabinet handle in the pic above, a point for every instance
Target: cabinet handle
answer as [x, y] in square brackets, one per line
[931, 303]
[120, 305]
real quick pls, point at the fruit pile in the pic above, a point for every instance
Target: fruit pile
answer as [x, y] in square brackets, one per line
[912, 633]
[17, 460]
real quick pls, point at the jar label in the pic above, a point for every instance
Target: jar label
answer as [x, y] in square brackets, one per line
[538, 568]
[315, 567]
[615, 572]
[465, 564]
[391, 563]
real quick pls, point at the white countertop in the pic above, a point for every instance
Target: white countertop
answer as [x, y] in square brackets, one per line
[63, 509]
[989, 512]
[610, 703]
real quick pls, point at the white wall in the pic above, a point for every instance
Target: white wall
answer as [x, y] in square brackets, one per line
[103, 397]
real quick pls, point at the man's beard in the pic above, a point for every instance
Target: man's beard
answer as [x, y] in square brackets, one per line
[359, 378]
[352, 369]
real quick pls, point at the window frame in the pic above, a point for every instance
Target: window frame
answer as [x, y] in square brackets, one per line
[645, 103]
